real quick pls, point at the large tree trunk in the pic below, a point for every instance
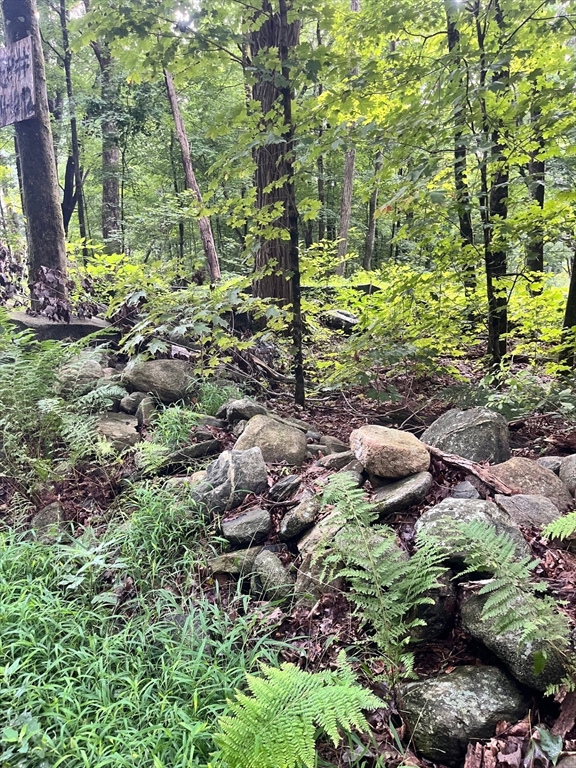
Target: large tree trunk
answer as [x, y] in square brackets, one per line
[203, 221]
[372, 205]
[568, 353]
[273, 260]
[77, 168]
[536, 185]
[45, 228]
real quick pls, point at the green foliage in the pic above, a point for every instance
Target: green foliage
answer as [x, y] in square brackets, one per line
[103, 690]
[212, 396]
[561, 528]
[276, 726]
[386, 586]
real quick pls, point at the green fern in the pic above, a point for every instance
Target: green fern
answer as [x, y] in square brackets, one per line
[276, 726]
[386, 586]
[561, 528]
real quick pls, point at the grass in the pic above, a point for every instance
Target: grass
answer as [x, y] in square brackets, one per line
[83, 687]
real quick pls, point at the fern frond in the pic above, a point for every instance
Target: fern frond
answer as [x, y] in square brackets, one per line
[275, 726]
[561, 528]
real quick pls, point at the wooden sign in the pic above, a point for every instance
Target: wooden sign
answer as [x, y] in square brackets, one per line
[17, 94]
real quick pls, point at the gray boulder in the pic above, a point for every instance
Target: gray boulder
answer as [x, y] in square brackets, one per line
[285, 488]
[80, 376]
[336, 461]
[270, 580]
[248, 528]
[129, 403]
[519, 656]
[478, 434]
[333, 444]
[400, 495]
[48, 524]
[146, 411]
[552, 463]
[568, 473]
[528, 509]
[230, 479]
[440, 519]
[444, 713]
[182, 458]
[278, 442]
[240, 410]
[299, 519]
[437, 615]
[239, 563]
[526, 476]
[119, 429]
[168, 380]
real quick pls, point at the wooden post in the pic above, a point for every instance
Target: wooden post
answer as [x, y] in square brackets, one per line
[44, 223]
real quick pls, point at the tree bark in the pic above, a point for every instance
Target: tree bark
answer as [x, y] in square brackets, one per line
[45, 228]
[372, 205]
[568, 353]
[203, 221]
[537, 186]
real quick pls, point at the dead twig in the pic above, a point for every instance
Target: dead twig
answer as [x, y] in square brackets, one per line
[482, 473]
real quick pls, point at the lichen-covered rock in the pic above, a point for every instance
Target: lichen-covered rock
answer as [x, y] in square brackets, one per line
[248, 528]
[444, 713]
[80, 376]
[567, 473]
[519, 656]
[168, 380]
[299, 519]
[528, 509]
[440, 519]
[526, 476]
[478, 434]
[119, 429]
[395, 497]
[48, 524]
[230, 479]
[279, 442]
[239, 563]
[147, 411]
[388, 452]
[240, 410]
[270, 579]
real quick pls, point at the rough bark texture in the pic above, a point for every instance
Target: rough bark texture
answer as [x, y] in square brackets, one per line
[45, 228]
[568, 354]
[346, 209]
[372, 205]
[536, 185]
[273, 260]
[203, 221]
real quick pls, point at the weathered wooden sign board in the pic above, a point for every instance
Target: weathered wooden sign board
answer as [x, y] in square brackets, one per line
[17, 94]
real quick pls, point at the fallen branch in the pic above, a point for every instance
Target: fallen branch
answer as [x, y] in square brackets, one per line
[482, 473]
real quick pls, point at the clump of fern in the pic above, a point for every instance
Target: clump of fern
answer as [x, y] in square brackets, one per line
[386, 586]
[562, 528]
[277, 725]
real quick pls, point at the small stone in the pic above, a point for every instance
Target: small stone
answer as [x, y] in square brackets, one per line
[211, 421]
[526, 476]
[119, 429]
[48, 524]
[550, 462]
[238, 563]
[129, 403]
[183, 457]
[248, 528]
[400, 495]
[336, 461]
[146, 411]
[285, 488]
[278, 442]
[568, 473]
[465, 490]
[478, 434]
[270, 579]
[185, 481]
[313, 437]
[299, 519]
[333, 444]
[527, 509]
[388, 452]
[314, 450]
[444, 713]
[239, 427]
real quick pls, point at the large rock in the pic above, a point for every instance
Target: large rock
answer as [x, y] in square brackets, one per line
[240, 563]
[440, 520]
[553, 463]
[311, 582]
[389, 452]
[168, 380]
[400, 495]
[526, 476]
[230, 479]
[299, 519]
[526, 509]
[336, 461]
[478, 434]
[446, 712]
[248, 528]
[240, 410]
[80, 376]
[48, 525]
[285, 488]
[270, 579]
[129, 403]
[78, 327]
[279, 442]
[119, 429]
[519, 656]
[568, 473]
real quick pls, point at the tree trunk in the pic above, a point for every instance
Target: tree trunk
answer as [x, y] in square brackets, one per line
[45, 228]
[536, 185]
[372, 205]
[568, 353]
[78, 179]
[273, 259]
[203, 221]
